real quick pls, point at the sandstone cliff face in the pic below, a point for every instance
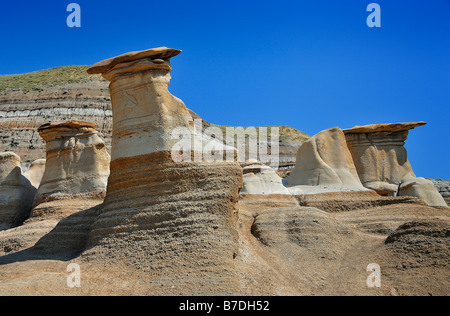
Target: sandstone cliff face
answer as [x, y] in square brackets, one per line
[22, 113]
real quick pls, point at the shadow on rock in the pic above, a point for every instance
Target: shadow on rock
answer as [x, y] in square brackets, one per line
[65, 242]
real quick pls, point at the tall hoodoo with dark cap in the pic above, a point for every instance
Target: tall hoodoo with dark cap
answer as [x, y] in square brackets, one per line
[175, 219]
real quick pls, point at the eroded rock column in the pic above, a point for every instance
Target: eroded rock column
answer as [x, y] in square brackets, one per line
[260, 179]
[324, 164]
[16, 192]
[76, 169]
[173, 219]
[382, 161]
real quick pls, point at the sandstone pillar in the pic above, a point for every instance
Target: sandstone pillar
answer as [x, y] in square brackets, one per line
[260, 179]
[324, 164]
[16, 192]
[382, 161]
[174, 219]
[76, 169]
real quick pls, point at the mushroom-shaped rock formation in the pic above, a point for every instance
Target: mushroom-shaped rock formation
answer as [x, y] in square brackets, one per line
[382, 161]
[77, 169]
[173, 218]
[324, 164]
[16, 192]
[261, 179]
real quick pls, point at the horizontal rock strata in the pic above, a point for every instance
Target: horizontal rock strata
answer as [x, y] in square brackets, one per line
[77, 167]
[22, 113]
[443, 187]
[174, 219]
[382, 162]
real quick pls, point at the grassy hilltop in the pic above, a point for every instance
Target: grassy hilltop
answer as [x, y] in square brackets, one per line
[39, 80]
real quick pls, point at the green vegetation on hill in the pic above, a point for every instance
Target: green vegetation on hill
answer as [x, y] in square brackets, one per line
[60, 76]
[286, 132]
[38, 80]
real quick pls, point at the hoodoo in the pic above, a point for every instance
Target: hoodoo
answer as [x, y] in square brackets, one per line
[16, 192]
[324, 164]
[382, 161]
[174, 219]
[76, 169]
[261, 179]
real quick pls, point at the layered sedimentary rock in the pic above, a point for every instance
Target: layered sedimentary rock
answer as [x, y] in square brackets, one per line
[443, 186]
[77, 168]
[16, 192]
[173, 219]
[261, 179]
[23, 111]
[382, 161]
[324, 164]
[30, 100]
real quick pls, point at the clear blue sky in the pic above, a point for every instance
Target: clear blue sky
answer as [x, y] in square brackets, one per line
[311, 64]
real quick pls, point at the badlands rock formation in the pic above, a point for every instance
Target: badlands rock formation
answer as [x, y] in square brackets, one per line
[261, 179]
[171, 228]
[443, 187]
[77, 168]
[68, 93]
[167, 218]
[382, 163]
[36, 172]
[324, 164]
[16, 192]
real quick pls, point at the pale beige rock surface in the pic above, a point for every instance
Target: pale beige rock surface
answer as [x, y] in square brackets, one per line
[443, 186]
[36, 172]
[77, 167]
[382, 161]
[262, 179]
[324, 164]
[16, 192]
[164, 217]
[149, 116]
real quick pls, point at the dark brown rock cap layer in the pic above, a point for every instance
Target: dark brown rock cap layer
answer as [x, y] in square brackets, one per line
[163, 53]
[70, 128]
[383, 128]
[70, 124]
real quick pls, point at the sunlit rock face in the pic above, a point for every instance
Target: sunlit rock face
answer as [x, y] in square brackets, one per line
[260, 179]
[324, 164]
[77, 168]
[167, 217]
[16, 192]
[36, 172]
[382, 161]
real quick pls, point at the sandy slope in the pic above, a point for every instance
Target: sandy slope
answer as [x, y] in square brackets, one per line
[284, 249]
